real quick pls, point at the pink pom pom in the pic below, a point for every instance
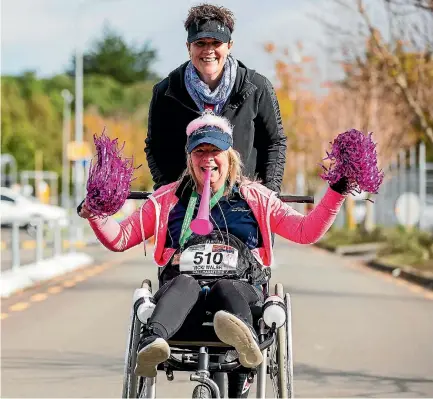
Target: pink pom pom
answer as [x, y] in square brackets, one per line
[110, 178]
[353, 155]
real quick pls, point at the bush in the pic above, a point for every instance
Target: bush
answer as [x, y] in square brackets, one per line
[336, 236]
[411, 247]
[414, 244]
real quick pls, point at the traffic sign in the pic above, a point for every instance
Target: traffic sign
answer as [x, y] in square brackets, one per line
[408, 209]
[79, 151]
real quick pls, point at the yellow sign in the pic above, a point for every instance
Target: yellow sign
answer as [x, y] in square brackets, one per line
[43, 192]
[79, 151]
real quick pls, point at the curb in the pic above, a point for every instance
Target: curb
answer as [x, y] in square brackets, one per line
[29, 275]
[353, 248]
[406, 272]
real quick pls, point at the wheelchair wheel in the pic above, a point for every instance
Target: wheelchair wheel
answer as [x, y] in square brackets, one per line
[201, 391]
[134, 386]
[284, 349]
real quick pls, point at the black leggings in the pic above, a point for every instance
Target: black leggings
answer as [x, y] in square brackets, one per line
[179, 303]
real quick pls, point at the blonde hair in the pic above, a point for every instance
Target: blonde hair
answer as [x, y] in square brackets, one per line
[234, 174]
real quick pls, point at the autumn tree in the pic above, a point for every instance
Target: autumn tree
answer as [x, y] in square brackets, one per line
[129, 133]
[400, 43]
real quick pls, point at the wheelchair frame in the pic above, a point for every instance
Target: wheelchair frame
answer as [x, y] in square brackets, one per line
[196, 358]
[196, 355]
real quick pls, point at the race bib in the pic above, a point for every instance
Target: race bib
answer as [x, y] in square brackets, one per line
[209, 260]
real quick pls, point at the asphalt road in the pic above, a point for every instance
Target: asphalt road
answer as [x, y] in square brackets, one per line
[357, 333]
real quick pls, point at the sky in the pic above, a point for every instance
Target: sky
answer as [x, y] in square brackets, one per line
[41, 35]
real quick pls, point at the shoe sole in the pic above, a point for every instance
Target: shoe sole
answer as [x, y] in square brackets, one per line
[149, 358]
[232, 331]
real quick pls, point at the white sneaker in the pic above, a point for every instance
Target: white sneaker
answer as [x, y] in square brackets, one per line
[235, 332]
[154, 350]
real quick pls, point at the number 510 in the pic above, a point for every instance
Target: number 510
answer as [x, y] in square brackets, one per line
[199, 257]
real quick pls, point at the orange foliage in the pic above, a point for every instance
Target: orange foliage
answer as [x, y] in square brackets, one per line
[126, 131]
[311, 121]
[269, 47]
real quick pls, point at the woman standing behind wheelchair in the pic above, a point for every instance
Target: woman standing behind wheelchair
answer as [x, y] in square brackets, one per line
[213, 79]
[244, 214]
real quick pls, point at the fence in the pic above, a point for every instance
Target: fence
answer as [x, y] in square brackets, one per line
[43, 240]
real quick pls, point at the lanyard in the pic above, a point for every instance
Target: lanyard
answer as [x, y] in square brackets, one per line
[186, 230]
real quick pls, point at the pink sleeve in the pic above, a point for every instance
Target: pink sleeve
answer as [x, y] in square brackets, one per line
[306, 229]
[119, 237]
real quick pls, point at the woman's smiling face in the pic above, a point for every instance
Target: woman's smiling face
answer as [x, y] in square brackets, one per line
[207, 156]
[209, 56]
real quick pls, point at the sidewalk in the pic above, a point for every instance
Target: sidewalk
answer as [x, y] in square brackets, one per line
[33, 273]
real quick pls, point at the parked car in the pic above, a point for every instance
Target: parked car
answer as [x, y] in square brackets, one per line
[15, 207]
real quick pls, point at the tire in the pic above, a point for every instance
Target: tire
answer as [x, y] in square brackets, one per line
[130, 380]
[133, 385]
[201, 391]
[284, 355]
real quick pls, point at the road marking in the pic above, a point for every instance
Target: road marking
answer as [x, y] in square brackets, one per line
[414, 288]
[80, 278]
[55, 290]
[89, 273]
[19, 306]
[38, 297]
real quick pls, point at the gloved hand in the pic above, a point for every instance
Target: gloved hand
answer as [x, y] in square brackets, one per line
[79, 207]
[82, 210]
[341, 186]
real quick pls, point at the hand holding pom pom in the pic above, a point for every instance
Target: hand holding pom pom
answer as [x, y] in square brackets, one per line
[341, 186]
[353, 164]
[109, 178]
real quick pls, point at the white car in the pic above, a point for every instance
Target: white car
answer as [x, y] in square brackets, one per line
[15, 207]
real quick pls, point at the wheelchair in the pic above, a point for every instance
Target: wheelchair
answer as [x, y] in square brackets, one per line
[207, 359]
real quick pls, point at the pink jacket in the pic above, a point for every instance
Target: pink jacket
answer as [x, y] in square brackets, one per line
[272, 215]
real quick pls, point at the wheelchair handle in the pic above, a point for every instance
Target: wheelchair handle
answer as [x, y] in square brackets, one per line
[306, 199]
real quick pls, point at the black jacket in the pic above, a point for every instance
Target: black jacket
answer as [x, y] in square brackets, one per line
[253, 110]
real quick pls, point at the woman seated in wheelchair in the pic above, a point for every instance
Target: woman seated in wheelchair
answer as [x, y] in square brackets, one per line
[231, 261]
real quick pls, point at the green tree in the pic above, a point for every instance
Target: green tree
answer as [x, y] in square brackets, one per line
[112, 56]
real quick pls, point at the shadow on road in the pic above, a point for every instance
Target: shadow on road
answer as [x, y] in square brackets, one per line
[375, 385]
[60, 364]
[339, 294]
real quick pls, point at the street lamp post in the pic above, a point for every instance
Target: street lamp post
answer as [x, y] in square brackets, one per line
[79, 164]
[79, 170]
[67, 100]
[300, 156]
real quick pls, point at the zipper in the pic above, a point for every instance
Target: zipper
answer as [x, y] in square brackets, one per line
[243, 95]
[181, 103]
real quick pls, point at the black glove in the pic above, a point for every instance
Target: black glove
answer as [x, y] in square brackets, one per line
[341, 186]
[79, 207]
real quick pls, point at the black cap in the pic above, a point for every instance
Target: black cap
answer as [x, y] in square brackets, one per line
[209, 28]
